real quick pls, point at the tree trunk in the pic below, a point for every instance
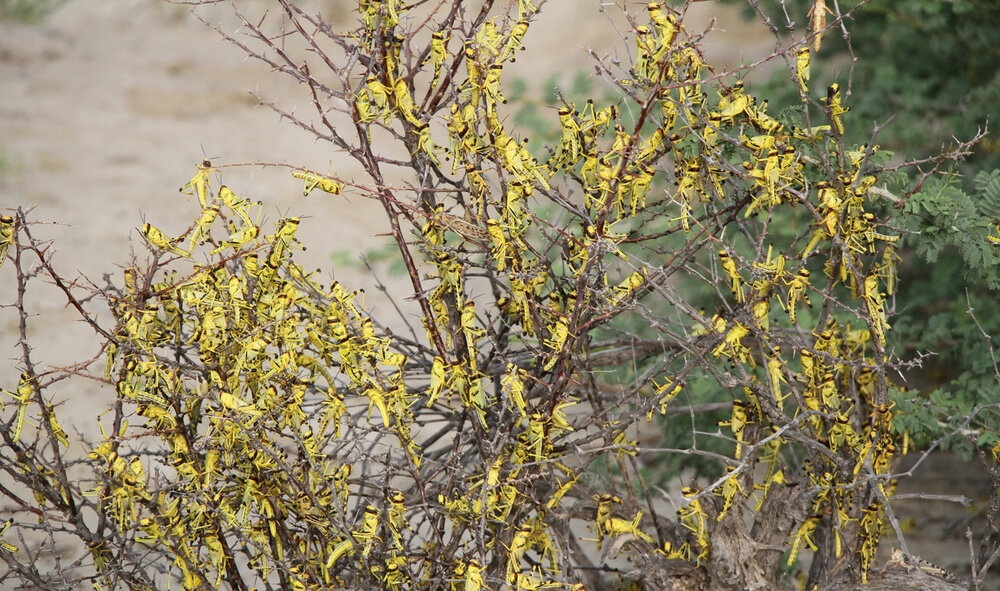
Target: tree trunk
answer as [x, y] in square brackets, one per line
[895, 579]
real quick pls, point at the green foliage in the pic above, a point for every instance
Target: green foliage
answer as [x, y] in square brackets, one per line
[8, 164]
[28, 11]
[937, 64]
[931, 65]
[946, 306]
[934, 66]
[386, 254]
[942, 216]
[987, 187]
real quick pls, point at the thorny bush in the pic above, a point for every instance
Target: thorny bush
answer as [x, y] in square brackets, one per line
[268, 433]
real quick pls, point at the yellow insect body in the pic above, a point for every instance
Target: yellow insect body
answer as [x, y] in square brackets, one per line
[57, 431]
[404, 101]
[835, 107]
[513, 383]
[693, 517]
[200, 183]
[797, 287]
[26, 387]
[4, 546]
[627, 287]
[315, 181]
[474, 580]
[734, 102]
[6, 235]
[438, 54]
[803, 536]
[817, 22]
[664, 23]
[728, 491]
[200, 233]
[559, 332]
[158, 239]
[802, 70]
[735, 279]
[616, 526]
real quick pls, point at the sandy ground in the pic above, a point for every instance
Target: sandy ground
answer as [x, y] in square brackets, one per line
[107, 106]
